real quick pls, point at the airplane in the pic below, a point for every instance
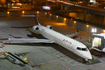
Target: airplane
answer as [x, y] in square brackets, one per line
[52, 36]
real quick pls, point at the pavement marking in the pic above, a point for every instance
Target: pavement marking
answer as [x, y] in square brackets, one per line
[30, 67]
[63, 65]
[1, 68]
[23, 33]
[55, 53]
[3, 31]
[30, 62]
[72, 62]
[54, 62]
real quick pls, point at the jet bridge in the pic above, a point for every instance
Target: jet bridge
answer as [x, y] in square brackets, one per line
[98, 42]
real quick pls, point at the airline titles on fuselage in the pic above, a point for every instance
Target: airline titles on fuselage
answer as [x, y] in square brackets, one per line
[67, 41]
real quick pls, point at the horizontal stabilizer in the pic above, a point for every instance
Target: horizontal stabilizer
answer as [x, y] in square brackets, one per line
[30, 15]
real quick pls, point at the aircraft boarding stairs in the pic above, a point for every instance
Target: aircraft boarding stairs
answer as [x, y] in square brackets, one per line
[17, 59]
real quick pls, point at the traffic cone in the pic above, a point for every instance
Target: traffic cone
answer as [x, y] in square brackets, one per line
[77, 36]
[9, 42]
[3, 44]
[81, 37]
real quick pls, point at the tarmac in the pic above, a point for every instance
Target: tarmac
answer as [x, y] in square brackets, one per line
[43, 56]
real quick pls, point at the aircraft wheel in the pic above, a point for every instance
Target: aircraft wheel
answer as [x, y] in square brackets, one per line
[84, 60]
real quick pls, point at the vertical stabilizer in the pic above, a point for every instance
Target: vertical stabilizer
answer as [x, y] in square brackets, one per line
[36, 20]
[35, 17]
[77, 31]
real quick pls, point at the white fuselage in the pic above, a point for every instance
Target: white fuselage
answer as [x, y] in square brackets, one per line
[68, 43]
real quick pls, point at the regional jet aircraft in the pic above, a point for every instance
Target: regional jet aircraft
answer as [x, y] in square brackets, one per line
[55, 37]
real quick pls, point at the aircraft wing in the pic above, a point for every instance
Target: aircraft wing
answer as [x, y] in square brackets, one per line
[73, 35]
[32, 40]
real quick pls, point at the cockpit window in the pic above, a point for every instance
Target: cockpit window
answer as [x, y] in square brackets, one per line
[78, 48]
[82, 49]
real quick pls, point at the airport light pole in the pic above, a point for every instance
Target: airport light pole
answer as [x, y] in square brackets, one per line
[94, 30]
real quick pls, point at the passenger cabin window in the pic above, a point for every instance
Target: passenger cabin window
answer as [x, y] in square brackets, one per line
[82, 49]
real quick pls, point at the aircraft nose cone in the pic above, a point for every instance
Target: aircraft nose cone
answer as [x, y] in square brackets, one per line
[87, 56]
[90, 57]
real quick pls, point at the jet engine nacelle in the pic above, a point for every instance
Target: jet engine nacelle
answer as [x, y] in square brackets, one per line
[49, 26]
[36, 28]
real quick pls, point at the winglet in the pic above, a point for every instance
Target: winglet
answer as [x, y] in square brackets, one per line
[72, 35]
[77, 31]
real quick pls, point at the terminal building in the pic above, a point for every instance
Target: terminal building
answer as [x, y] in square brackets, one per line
[18, 4]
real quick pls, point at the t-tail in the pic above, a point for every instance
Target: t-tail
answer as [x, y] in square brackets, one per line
[35, 17]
